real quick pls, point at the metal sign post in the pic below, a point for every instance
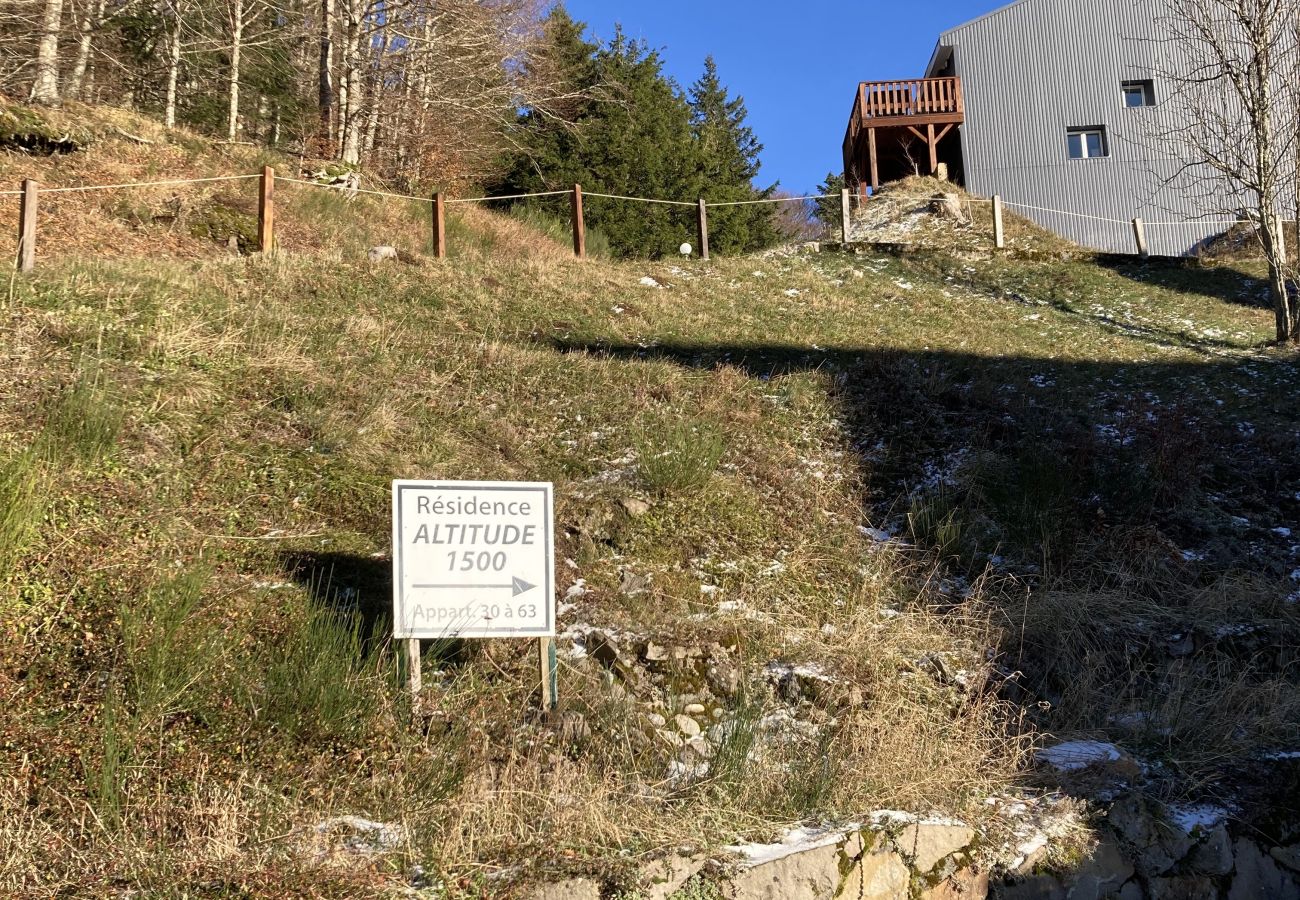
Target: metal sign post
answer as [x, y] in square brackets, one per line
[474, 559]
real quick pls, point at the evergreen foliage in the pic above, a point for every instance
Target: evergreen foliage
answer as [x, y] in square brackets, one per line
[635, 133]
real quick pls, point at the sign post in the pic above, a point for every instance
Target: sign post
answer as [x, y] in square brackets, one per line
[474, 559]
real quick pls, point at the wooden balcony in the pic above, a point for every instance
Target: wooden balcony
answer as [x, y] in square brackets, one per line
[918, 105]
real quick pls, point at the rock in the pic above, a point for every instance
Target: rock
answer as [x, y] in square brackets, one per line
[723, 675]
[686, 725]
[647, 281]
[694, 709]
[664, 876]
[1035, 887]
[671, 738]
[1259, 876]
[635, 506]
[1213, 855]
[1102, 874]
[381, 253]
[701, 747]
[1287, 856]
[656, 720]
[878, 874]
[812, 874]
[1182, 887]
[1155, 844]
[353, 834]
[926, 844]
[655, 652]
[573, 889]
[967, 884]
[632, 584]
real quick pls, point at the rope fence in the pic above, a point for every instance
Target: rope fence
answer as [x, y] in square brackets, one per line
[30, 191]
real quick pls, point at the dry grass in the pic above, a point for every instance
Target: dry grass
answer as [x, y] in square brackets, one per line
[226, 517]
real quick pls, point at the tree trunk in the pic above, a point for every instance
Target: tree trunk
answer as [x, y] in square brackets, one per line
[173, 66]
[325, 95]
[236, 48]
[45, 87]
[352, 122]
[89, 22]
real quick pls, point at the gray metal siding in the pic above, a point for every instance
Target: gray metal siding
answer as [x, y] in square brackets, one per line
[1039, 67]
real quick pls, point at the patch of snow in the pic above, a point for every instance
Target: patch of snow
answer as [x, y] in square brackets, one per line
[647, 281]
[1194, 816]
[1074, 756]
[796, 840]
[576, 590]
[792, 292]
[708, 589]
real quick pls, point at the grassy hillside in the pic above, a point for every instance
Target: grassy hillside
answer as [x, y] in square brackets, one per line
[898, 515]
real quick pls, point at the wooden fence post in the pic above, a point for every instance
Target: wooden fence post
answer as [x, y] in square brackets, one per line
[547, 667]
[27, 226]
[999, 235]
[414, 672]
[845, 216]
[1140, 235]
[704, 229]
[266, 211]
[579, 226]
[439, 227]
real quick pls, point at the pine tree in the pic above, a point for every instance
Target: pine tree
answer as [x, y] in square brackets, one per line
[828, 208]
[631, 135]
[729, 152]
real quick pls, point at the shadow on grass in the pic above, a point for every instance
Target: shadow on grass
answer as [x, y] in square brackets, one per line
[1230, 283]
[349, 585]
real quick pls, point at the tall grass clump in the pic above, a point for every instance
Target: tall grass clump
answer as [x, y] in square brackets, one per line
[679, 456]
[20, 507]
[83, 424]
[166, 649]
[323, 682]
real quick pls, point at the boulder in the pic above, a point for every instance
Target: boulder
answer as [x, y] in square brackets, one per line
[877, 875]
[1182, 887]
[926, 844]
[812, 874]
[1155, 844]
[663, 877]
[1258, 875]
[1213, 855]
[1102, 874]
[967, 884]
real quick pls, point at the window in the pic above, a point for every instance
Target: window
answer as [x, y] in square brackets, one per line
[1138, 93]
[1087, 143]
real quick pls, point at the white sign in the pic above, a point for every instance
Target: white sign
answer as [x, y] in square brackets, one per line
[473, 559]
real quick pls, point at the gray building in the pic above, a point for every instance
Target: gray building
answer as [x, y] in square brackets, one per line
[1054, 105]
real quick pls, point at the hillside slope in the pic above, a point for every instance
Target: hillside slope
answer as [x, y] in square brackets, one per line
[873, 524]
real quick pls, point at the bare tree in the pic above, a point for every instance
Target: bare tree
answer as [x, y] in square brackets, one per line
[1233, 67]
[45, 86]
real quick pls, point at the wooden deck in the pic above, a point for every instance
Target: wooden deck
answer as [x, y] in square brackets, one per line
[927, 108]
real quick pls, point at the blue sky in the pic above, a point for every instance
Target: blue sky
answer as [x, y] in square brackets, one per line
[796, 64]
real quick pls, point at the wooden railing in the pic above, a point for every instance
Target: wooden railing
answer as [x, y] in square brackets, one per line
[917, 97]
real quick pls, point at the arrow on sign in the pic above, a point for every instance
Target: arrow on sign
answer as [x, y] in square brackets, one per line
[517, 586]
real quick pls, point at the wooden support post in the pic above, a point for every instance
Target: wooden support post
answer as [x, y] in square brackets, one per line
[999, 236]
[933, 143]
[1140, 235]
[439, 227]
[266, 211]
[550, 678]
[846, 216]
[1280, 224]
[415, 677]
[579, 227]
[871, 152]
[27, 226]
[704, 229]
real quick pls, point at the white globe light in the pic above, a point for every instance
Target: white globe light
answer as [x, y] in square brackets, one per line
[685, 249]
